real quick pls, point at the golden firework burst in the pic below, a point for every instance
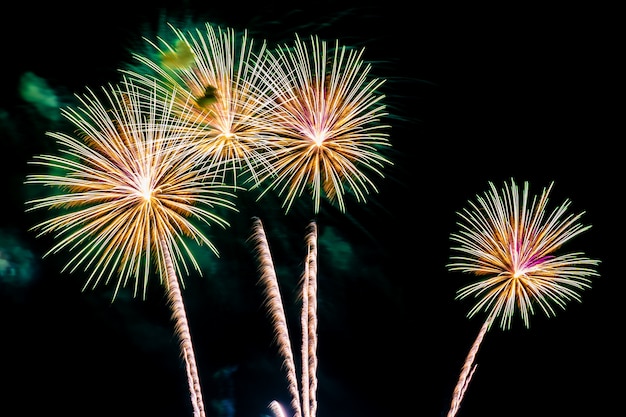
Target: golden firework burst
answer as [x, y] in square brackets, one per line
[328, 115]
[511, 243]
[128, 189]
[216, 72]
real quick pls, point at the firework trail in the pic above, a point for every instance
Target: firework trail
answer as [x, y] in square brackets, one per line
[510, 242]
[129, 193]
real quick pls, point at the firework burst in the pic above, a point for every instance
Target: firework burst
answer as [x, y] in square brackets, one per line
[130, 192]
[328, 116]
[130, 184]
[510, 241]
[217, 73]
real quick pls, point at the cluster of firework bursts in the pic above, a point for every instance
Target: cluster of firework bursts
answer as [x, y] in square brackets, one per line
[207, 113]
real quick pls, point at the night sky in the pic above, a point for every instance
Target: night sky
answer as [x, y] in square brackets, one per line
[474, 95]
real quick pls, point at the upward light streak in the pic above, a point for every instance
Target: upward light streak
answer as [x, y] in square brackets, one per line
[303, 401]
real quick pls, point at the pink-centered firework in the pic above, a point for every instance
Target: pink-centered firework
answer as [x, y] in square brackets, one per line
[328, 114]
[512, 243]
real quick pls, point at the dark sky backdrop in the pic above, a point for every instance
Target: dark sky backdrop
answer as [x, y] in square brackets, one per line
[478, 94]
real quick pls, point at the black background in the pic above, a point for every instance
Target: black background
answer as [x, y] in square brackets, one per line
[476, 94]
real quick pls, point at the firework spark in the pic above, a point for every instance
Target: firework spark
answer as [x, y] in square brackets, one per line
[217, 74]
[328, 115]
[129, 194]
[510, 242]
